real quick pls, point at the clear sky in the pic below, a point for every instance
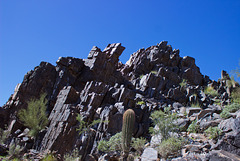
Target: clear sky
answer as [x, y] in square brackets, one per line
[32, 31]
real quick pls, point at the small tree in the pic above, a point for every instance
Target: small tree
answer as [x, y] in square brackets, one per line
[34, 117]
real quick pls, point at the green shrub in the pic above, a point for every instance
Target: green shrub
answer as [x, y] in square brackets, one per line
[84, 127]
[154, 72]
[114, 143]
[49, 157]
[72, 156]
[14, 151]
[183, 84]
[35, 116]
[236, 72]
[141, 103]
[3, 135]
[236, 95]
[3, 158]
[193, 127]
[138, 144]
[211, 91]
[229, 109]
[225, 114]
[213, 132]
[170, 147]
[165, 123]
[103, 146]
[231, 83]
[195, 104]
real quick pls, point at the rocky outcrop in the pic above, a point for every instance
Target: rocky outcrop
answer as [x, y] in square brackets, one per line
[101, 87]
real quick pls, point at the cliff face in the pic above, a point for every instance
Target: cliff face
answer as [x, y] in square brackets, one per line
[101, 87]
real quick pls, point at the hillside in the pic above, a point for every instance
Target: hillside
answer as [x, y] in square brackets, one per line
[102, 88]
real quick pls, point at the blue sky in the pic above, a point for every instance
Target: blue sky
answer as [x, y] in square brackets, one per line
[32, 31]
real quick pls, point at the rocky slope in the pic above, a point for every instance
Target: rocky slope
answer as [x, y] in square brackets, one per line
[101, 87]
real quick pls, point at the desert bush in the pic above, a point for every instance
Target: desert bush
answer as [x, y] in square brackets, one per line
[213, 132]
[236, 72]
[3, 135]
[211, 91]
[183, 84]
[114, 143]
[138, 144]
[154, 72]
[14, 151]
[103, 146]
[165, 123]
[72, 156]
[193, 127]
[141, 76]
[229, 109]
[35, 116]
[84, 127]
[236, 95]
[141, 103]
[49, 157]
[195, 104]
[170, 147]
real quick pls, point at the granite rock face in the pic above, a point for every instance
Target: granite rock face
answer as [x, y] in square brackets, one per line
[101, 87]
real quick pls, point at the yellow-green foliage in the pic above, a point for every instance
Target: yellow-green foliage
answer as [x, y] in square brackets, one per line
[170, 147]
[165, 122]
[3, 135]
[196, 104]
[236, 95]
[229, 109]
[141, 103]
[14, 151]
[35, 116]
[72, 156]
[183, 84]
[138, 144]
[193, 127]
[231, 83]
[114, 143]
[49, 157]
[213, 132]
[154, 72]
[211, 91]
[84, 126]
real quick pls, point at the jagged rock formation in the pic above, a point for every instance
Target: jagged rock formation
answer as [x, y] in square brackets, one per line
[101, 87]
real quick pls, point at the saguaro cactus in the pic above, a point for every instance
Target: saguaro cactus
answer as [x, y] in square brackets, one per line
[127, 130]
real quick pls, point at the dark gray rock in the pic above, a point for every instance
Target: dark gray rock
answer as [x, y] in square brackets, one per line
[3, 150]
[231, 140]
[224, 75]
[61, 133]
[177, 95]
[192, 110]
[204, 113]
[183, 123]
[101, 87]
[221, 155]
